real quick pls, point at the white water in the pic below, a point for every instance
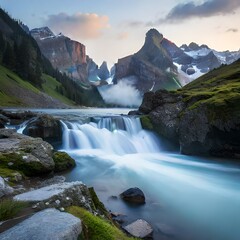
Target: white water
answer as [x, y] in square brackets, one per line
[197, 198]
[118, 136]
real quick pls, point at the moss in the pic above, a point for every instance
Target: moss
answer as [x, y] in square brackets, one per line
[10, 208]
[27, 168]
[146, 123]
[97, 204]
[63, 161]
[96, 228]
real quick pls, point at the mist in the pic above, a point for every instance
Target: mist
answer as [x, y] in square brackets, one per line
[124, 93]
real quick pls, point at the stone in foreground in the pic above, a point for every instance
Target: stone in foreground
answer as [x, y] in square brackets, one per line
[133, 195]
[49, 224]
[139, 229]
[4, 188]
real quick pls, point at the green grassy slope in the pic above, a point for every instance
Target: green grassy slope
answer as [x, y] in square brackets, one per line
[219, 89]
[49, 87]
[10, 84]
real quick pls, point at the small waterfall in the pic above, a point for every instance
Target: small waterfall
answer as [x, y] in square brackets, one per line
[114, 135]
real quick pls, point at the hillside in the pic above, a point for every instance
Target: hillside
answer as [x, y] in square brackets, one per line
[14, 91]
[203, 117]
[20, 53]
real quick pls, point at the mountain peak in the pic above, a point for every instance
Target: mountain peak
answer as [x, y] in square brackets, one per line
[153, 36]
[43, 32]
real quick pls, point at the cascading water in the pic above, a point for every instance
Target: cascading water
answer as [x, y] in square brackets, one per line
[116, 135]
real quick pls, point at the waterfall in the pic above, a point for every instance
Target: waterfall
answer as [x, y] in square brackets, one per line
[114, 135]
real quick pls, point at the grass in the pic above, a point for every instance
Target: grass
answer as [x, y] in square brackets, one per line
[49, 87]
[10, 208]
[219, 90]
[96, 228]
[10, 82]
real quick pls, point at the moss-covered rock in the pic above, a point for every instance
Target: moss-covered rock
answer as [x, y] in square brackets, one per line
[146, 123]
[63, 161]
[95, 227]
[204, 117]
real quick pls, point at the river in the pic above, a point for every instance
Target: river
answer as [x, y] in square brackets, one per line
[187, 198]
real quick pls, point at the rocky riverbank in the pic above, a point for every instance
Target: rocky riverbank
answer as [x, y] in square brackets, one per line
[35, 201]
[203, 118]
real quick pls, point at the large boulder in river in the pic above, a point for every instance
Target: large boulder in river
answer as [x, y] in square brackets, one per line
[46, 127]
[63, 161]
[31, 156]
[203, 117]
[49, 224]
[133, 195]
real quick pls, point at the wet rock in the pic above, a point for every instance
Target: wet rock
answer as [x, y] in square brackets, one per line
[63, 161]
[49, 224]
[46, 127]
[133, 195]
[5, 189]
[139, 229]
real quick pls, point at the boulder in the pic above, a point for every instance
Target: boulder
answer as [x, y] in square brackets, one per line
[59, 195]
[31, 156]
[139, 229]
[49, 224]
[63, 161]
[46, 127]
[5, 189]
[133, 195]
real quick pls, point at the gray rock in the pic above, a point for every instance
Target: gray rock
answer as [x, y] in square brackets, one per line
[59, 195]
[33, 156]
[49, 224]
[4, 188]
[139, 229]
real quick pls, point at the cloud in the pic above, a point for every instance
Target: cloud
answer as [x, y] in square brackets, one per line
[78, 25]
[234, 30]
[123, 36]
[208, 8]
[122, 94]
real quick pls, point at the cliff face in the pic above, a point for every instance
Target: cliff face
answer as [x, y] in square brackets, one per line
[152, 65]
[203, 117]
[65, 54]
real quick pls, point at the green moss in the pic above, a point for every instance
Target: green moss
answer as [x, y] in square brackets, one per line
[63, 161]
[10, 208]
[97, 204]
[27, 168]
[146, 123]
[96, 228]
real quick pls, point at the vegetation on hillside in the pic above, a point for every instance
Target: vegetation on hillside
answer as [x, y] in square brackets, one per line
[20, 53]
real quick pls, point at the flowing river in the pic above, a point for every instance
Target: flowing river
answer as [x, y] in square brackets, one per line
[187, 198]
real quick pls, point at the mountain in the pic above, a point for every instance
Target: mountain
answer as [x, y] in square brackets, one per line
[152, 66]
[69, 56]
[194, 60]
[161, 64]
[20, 54]
[203, 117]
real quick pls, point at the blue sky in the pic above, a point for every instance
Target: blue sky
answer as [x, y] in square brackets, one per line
[112, 29]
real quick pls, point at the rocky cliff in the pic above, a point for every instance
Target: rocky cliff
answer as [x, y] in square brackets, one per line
[65, 54]
[152, 65]
[203, 117]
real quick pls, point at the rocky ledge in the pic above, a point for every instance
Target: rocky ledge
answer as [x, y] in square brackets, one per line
[203, 117]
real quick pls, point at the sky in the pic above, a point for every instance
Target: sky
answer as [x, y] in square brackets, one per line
[112, 29]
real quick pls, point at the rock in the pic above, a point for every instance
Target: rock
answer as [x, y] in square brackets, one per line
[103, 72]
[32, 156]
[133, 195]
[4, 188]
[53, 180]
[68, 193]
[152, 66]
[46, 127]
[63, 161]
[49, 224]
[139, 229]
